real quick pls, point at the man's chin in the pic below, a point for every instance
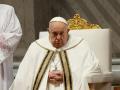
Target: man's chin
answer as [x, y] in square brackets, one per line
[57, 46]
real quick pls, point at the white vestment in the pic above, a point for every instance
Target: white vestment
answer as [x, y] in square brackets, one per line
[10, 34]
[82, 62]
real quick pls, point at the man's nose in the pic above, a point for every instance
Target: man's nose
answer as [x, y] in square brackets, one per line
[58, 36]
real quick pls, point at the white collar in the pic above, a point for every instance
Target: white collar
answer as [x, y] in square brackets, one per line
[72, 41]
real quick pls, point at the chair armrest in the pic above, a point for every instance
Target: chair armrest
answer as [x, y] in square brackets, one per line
[99, 77]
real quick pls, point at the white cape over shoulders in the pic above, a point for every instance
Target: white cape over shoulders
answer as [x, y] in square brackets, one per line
[82, 62]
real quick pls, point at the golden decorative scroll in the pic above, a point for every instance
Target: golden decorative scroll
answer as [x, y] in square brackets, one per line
[77, 23]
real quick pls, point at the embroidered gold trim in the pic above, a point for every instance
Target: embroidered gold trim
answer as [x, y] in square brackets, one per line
[42, 69]
[65, 83]
[67, 71]
[67, 61]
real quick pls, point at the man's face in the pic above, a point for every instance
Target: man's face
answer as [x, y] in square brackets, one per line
[58, 34]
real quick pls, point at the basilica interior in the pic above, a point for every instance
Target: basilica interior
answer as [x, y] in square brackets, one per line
[34, 16]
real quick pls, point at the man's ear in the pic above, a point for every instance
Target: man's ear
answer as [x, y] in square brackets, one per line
[48, 30]
[68, 30]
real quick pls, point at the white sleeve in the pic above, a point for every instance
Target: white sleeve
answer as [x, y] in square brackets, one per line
[91, 66]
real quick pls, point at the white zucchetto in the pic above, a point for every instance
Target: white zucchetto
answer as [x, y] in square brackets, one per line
[58, 19]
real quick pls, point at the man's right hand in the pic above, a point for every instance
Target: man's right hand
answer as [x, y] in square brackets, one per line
[55, 77]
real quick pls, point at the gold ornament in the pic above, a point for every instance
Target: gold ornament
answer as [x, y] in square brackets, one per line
[79, 23]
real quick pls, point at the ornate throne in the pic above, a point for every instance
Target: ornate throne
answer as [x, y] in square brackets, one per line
[99, 41]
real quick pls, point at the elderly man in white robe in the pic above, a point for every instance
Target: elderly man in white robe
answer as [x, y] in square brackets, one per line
[10, 34]
[57, 62]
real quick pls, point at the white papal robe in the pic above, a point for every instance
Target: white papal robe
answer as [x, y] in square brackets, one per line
[81, 62]
[10, 34]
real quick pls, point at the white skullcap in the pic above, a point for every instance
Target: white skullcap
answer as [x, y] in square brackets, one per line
[58, 19]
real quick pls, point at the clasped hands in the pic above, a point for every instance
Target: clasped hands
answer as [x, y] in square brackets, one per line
[55, 77]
